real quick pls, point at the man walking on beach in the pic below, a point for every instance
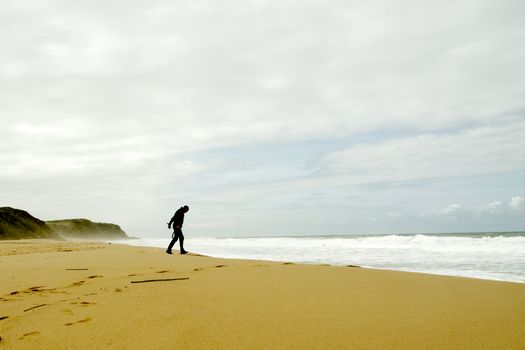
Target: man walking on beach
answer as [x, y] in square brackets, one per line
[177, 220]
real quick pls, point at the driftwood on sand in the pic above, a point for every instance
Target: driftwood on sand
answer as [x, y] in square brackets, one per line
[162, 280]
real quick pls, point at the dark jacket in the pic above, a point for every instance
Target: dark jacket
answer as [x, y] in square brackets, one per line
[178, 218]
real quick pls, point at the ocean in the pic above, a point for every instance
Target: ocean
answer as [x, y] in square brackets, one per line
[494, 256]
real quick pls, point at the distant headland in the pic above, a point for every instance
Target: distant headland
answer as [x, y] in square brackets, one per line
[19, 224]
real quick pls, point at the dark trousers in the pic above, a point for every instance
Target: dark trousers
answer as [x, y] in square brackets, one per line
[177, 234]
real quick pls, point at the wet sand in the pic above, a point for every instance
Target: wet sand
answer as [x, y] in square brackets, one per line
[73, 295]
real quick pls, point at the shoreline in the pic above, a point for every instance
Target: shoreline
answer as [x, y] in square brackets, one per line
[490, 271]
[82, 295]
[311, 263]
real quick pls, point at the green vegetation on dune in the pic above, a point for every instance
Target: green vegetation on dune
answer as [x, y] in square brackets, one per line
[19, 224]
[83, 228]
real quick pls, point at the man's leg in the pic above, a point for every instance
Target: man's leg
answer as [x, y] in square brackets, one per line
[181, 242]
[173, 241]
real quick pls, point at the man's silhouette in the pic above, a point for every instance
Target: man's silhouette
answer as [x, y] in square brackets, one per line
[177, 220]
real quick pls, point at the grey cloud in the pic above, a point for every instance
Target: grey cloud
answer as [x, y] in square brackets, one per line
[276, 65]
[475, 151]
[516, 203]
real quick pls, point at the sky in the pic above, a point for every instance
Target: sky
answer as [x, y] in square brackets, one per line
[266, 117]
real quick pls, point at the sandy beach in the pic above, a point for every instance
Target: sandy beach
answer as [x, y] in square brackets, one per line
[81, 295]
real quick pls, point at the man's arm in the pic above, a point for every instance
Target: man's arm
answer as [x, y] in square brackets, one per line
[171, 221]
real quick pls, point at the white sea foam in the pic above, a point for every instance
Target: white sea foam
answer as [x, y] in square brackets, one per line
[496, 257]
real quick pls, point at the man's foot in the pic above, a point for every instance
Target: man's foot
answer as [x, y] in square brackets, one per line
[184, 252]
[168, 252]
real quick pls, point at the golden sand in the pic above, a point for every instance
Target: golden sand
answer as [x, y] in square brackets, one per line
[71, 295]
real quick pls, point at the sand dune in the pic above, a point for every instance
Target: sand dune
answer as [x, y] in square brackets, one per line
[60, 295]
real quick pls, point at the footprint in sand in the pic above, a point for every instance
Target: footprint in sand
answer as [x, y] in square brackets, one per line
[28, 334]
[79, 283]
[83, 303]
[220, 266]
[288, 263]
[198, 269]
[87, 319]
[41, 289]
[35, 289]
[163, 271]
[67, 312]
[95, 276]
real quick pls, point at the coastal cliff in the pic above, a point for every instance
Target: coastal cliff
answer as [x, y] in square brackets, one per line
[83, 228]
[19, 224]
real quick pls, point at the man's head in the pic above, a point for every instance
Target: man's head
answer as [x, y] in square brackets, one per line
[186, 208]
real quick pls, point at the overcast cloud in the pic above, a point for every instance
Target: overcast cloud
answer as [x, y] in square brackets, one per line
[266, 117]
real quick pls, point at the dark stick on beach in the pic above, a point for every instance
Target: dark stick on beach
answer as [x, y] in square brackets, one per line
[34, 307]
[162, 280]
